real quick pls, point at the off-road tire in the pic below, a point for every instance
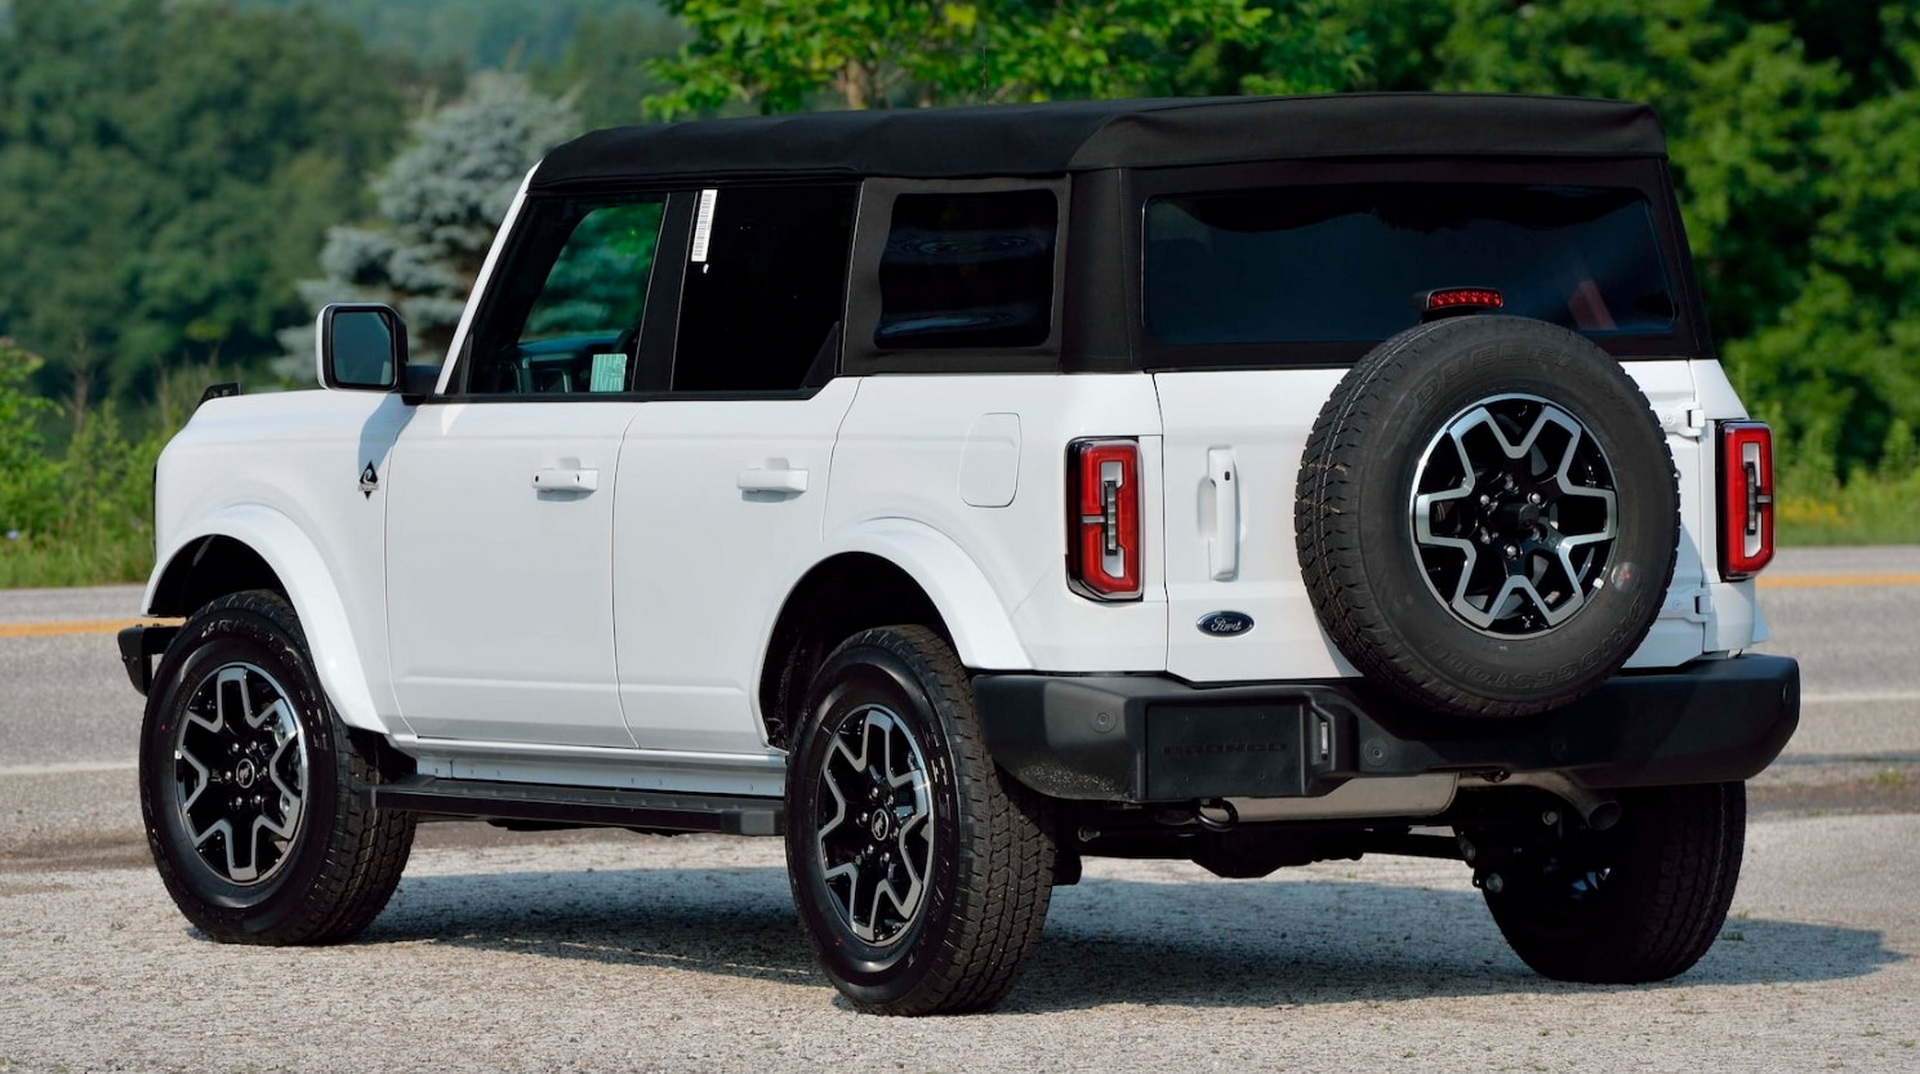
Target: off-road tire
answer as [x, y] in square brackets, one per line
[1642, 901]
[343, 860]
[992, 857]
[1355, 529]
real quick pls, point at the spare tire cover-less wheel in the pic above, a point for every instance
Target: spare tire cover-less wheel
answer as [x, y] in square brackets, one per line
[1487, 516]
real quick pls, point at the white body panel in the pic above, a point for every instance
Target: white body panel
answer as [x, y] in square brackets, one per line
[719, 512]
[499, 592]
[912, 452]
[1260, 418]
[280, 473]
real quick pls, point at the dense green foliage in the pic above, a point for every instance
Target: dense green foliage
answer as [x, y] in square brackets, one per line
[783, 56]
[184, 179]
[473, 33]
[169, 169]
[439, 202]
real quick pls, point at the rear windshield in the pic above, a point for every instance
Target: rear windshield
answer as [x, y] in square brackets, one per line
[1352, 263]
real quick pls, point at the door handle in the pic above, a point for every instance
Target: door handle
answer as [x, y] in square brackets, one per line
[775, 476]
[1223, 547]
[558, 479]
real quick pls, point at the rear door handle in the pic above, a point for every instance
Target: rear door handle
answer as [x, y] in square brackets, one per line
[775, 476]
[559, 479]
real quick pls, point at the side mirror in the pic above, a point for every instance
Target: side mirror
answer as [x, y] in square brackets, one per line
[361, 347]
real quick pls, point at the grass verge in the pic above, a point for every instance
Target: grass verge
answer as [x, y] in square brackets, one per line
[32, 564]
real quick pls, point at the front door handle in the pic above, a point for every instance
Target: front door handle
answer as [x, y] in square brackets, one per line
[774, 476]
[560, 479]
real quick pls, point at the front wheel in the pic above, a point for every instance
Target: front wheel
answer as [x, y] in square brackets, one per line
[1641, 901]
[920, 870]
[251, 789]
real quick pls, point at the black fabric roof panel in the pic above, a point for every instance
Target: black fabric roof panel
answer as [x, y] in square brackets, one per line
[1058, 137]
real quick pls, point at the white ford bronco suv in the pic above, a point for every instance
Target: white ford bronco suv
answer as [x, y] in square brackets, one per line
[960, 493]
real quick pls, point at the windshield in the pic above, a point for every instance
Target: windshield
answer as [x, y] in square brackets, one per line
[1352, 262]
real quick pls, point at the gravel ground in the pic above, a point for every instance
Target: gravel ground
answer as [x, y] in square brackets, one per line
[605, 951]
[642, 953]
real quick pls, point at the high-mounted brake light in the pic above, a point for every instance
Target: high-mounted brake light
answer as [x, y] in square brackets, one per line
[1447, 301]
[1746, 498]
[1103, 518]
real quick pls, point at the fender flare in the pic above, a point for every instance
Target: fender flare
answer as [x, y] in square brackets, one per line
[297, 562]
[975, 617]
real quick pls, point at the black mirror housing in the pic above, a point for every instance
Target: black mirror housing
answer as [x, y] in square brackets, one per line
[361, 347]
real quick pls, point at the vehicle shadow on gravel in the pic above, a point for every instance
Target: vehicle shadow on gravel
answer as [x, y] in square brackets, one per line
[1207, 943]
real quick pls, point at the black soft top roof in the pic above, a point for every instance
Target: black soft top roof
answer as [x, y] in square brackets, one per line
[1070, 136]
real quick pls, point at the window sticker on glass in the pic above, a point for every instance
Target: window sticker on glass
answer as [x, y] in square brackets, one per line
[703, 224]
[609, 373]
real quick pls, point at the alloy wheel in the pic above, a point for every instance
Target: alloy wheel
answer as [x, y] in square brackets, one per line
[240, 774]
[1514, 515]
[875, 837]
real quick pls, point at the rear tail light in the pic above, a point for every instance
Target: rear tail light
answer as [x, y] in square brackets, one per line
[1103, 518]
[1746, 498]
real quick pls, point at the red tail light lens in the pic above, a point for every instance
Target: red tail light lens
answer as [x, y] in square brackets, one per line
[1103, 518]
[1746, 498]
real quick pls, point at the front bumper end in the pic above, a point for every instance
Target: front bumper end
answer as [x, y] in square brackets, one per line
[1146, 738]
[139, 644]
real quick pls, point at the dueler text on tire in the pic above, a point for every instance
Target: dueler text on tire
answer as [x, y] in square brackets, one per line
[1487, 516]
[921, 871]
[1641, 901]
[252, 792]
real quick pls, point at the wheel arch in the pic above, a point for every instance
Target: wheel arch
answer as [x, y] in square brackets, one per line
[255, 547]
[887, 572]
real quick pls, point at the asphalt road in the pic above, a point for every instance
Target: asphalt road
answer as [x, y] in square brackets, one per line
[608, 951]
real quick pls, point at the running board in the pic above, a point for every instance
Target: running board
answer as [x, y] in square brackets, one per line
[483, 800]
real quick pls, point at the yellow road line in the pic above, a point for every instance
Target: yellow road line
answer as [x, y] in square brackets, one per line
[70, 627]
[1832, 581]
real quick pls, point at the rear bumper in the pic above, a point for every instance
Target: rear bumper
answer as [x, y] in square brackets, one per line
[1128, 738]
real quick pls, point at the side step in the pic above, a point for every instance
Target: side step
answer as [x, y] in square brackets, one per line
[482, 800]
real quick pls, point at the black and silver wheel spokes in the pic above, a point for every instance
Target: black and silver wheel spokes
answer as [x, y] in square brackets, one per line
[876, 833]
[240, 773]
[1514, 515]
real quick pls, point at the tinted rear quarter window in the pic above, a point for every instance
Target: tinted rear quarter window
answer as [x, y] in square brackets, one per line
[1349, 262]
[968, 270]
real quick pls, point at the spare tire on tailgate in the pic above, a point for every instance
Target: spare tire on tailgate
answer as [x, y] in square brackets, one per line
[1487, 516]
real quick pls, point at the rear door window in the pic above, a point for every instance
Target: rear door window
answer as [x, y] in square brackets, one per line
[765, 289]
[1351, 262]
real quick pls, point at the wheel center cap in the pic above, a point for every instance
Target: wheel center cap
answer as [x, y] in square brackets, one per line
[880, 823]
[245, 774]
[1517, 516]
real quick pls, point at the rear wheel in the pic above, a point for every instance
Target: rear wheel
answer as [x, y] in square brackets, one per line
[921, 871]
[1641, 901]
[251, 790]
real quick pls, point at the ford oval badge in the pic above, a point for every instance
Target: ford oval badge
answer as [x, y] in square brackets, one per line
[1225, 624]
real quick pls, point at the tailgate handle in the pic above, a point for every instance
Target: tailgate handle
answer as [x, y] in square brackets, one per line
[1223, 544]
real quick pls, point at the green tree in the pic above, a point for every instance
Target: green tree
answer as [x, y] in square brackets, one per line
[169, 169]
[606, 71]
[784, 55]
[440, 202]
